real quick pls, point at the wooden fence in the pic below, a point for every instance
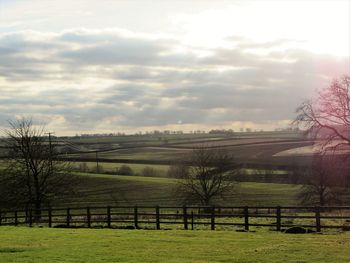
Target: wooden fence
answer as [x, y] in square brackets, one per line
[199, 217]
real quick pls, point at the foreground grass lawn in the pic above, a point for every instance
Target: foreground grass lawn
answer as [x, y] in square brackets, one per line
[24, 244]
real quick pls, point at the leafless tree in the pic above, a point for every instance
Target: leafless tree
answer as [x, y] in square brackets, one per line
[327, 121]
[328, 116]
[209, 175]
[33, 176]
[324, 181]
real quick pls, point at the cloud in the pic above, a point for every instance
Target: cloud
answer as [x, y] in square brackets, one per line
[88, 80]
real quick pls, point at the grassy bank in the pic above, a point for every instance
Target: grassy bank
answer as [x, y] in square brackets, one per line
[23, 244]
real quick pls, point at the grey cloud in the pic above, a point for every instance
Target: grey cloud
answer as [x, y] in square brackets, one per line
[16, 43]
[114, 48]
[94, 49]
[151, 115]
[121, 52]
[252, 87]
[49, 97]
[122, 93]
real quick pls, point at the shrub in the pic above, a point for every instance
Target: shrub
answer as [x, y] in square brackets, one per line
[98, 169]
[177, 171]
[83, 167]
[124, 170]
[149, 171]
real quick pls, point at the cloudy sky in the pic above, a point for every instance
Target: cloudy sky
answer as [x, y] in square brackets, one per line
[88, 66]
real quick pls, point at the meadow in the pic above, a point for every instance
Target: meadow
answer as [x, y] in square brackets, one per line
[23, 244]
[104, 189]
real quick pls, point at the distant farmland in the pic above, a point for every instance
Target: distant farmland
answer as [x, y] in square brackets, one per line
[257, 151]
[248, 148]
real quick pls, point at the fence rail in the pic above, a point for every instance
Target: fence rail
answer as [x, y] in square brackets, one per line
[186, 217]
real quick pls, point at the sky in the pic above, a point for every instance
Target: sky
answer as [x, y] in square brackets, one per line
[88, 66]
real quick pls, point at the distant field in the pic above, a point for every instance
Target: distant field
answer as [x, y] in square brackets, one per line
[181, 137]
[258, 152]
[112, 167]
[100, 189]
[159, 169]
[250, 147]
[22, 244]
[104, 189]
[260, 148]
[141, 153]
[150, 138]
[229, 142]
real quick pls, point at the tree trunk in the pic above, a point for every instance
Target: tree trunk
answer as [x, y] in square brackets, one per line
[206, 203]
[322, 201]
[37, 210]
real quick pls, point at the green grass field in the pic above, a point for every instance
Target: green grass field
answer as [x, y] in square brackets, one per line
[102, 189]
[105, 189]
[22, 244]
[158, 169]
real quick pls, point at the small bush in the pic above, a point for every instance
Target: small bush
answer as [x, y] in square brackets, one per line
[98, 169]
[83, 167]
[124, 170]
[149, 171]
[177, 171]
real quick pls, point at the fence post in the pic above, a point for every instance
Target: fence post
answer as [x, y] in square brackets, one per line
[318, 219]
[136, 223]
[157, 218]
[109, 216]
[185, 218]
[88, 215]
[192, 220]
[278, 218]
[50, 216]
[68, 217]
[16, 218]
[212, 221]
[246, 218]
[30, 217]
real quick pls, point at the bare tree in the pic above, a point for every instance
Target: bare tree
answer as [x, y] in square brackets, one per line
[324, 181]
[208, 175]
[327, 121]
[33, 175]
[328, 116]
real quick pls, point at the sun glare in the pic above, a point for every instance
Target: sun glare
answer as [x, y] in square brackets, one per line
[321, 27]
